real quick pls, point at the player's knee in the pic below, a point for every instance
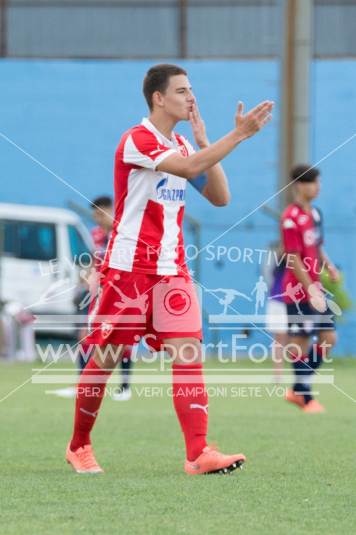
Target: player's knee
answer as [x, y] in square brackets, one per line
[328, 339]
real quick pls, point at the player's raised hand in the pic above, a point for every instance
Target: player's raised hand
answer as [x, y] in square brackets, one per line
[250, 123]
[198, 127]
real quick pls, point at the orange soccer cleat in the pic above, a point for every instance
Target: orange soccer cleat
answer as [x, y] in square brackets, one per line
[297, 399]
[212, 461]
[83, 460]
[314, 407]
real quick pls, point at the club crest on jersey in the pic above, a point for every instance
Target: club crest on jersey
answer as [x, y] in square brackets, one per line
[310, 237]
[303, 219]
[169, 194]
[106, 329]
[183, 150]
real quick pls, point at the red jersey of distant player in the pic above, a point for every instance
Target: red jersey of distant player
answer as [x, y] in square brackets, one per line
[100, 239]
[302, 234]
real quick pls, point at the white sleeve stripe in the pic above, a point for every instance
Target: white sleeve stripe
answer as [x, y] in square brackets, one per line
[163, 156]
[289, 223]
[134, 156]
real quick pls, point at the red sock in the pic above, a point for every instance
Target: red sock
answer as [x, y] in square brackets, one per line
[89, 398]
[191, 404]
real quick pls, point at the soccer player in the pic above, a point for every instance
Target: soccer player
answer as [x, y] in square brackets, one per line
[307, 309]
[145, 261]
[102, 213]
[276, 315]
[102, 210]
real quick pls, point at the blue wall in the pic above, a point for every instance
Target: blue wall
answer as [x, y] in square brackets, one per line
[70, 115]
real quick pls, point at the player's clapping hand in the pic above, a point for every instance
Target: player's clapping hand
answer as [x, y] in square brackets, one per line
[250, 123]
[198, 127]
[334, 273]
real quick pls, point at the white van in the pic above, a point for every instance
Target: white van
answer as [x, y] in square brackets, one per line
[40, 252]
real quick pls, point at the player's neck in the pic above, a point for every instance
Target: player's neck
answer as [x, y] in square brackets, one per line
[304, 203]
[106, 228]
[164, 124]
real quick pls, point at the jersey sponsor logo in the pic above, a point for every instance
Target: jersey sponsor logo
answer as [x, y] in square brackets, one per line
[169, 194]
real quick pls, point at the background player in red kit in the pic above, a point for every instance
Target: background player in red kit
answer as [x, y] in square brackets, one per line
[102, 210]
[102, 213]
[144, 264]
[308, 314]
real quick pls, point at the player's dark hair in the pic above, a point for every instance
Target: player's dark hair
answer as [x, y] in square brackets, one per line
[101, 202]
[304, 173]
[157, 78]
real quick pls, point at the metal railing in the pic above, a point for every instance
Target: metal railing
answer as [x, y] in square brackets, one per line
[138, 29]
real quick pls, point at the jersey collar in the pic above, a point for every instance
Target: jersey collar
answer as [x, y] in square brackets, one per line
[147, 124]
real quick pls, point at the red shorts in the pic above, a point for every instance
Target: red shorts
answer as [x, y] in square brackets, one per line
[132, 305]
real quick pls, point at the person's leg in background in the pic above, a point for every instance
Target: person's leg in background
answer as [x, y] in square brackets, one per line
[298, 353]
[277, 327]
[305, 363]
[280, 340]
[301, 327]
[83, 351]
[318, 352]
[124, 393]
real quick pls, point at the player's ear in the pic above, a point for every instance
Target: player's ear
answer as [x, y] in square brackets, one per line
[157, 99]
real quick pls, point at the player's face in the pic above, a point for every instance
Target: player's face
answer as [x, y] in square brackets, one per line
[313, 189]
[310, 190]
[103, 217]
[178, 98]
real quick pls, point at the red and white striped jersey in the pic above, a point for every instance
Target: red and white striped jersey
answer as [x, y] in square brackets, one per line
[149, 205]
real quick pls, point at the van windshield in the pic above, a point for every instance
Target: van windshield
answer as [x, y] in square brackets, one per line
[28, 240]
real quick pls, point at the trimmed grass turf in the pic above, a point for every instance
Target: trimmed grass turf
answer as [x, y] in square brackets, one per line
[300, 475]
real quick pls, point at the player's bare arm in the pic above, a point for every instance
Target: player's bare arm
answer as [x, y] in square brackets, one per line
[331, 268]
[246, 125]
[216, 190]
[315, 296]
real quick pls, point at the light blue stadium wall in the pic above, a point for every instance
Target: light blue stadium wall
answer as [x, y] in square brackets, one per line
[69, 115]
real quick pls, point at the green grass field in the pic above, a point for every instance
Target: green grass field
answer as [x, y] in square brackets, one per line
[300, 475]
